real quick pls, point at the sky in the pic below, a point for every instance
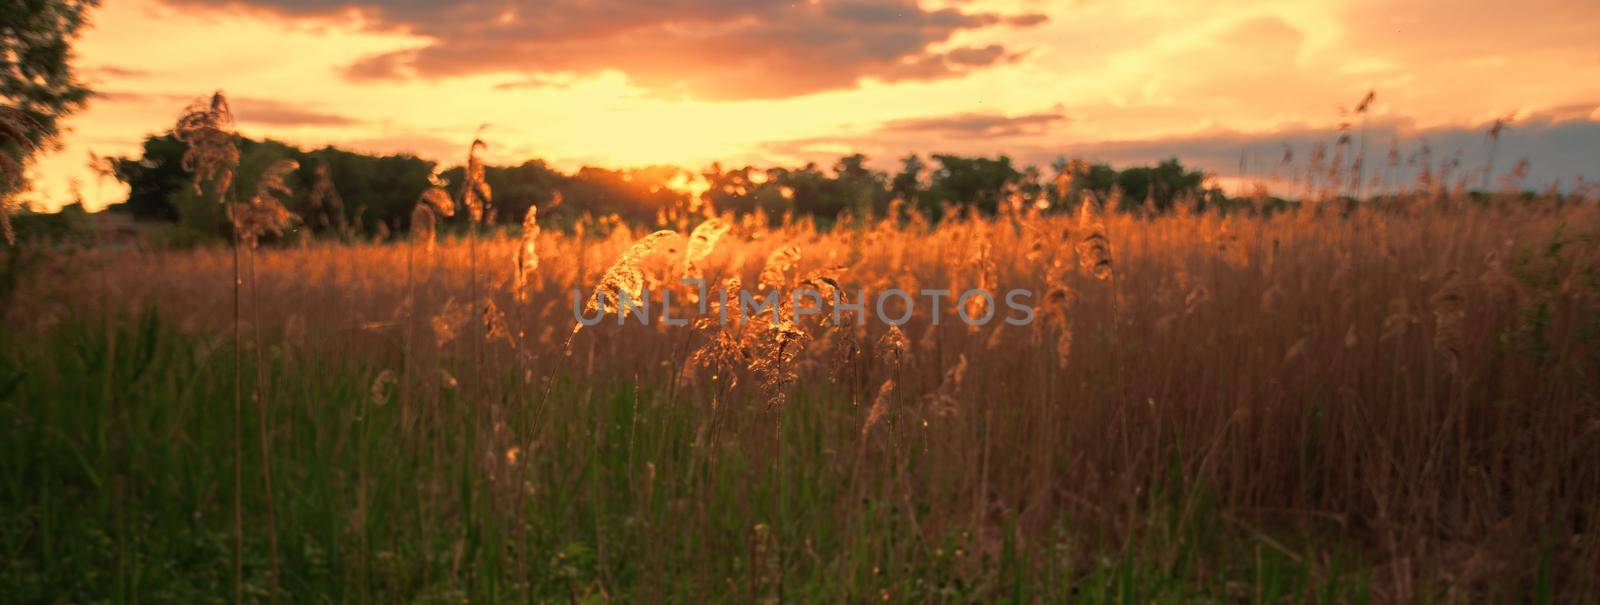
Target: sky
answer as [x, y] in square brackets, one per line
[1221, 84]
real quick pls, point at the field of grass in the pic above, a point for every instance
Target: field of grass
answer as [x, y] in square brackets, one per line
[1397, 403]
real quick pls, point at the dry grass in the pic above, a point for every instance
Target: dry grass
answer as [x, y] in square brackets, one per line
[1415, 381]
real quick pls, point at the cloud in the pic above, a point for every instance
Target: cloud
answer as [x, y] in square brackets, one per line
[974, 125]
[707, 49]
[1560, 144]
[976, 56]
[1413, 30]
[1027, 20]
[537, 81]
[120, 96]
[961, 133]
[279, 113]
[115, 71]
[246, 110]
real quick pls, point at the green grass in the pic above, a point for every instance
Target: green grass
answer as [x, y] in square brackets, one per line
[116, 475]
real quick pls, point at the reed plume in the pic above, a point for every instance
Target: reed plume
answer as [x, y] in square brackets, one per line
[724, 350]
[475, 197]
[1057, 306]
[892, 347]
[624, 277]
[264, 214]
[944, 401]
[780, 343]
[382, 388]
[1493, 135]
[1450, 313]
[1094, 249]
[983, 264]
[323, 201]
[447, 323]
[880, 406]
[777, 349]
[1363, 109]
[702, 241]
[527, 253]
[475, 194]
[775, 273]
[207, 129]
[433, 204]
[494, 323]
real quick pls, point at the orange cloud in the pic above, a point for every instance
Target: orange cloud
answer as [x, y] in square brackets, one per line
[975, 125]
[703, 49]
[249, 110]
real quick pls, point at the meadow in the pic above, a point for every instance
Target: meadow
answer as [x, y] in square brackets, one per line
[1389, 402]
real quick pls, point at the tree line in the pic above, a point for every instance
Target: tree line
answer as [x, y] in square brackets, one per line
[341, 192]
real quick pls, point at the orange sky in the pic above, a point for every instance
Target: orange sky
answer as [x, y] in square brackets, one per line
[619, 83]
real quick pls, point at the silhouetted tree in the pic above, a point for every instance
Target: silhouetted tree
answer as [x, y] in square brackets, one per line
[856, 187]
[1160, 185]
[907, 184]
[738, 189]
[516, 188]
[636, 195]
[371, 188]
[37, 80]
[153, 178]
[978, 181]
[374, 188]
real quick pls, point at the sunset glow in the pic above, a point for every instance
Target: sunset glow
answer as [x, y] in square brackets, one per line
[1123, 82]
